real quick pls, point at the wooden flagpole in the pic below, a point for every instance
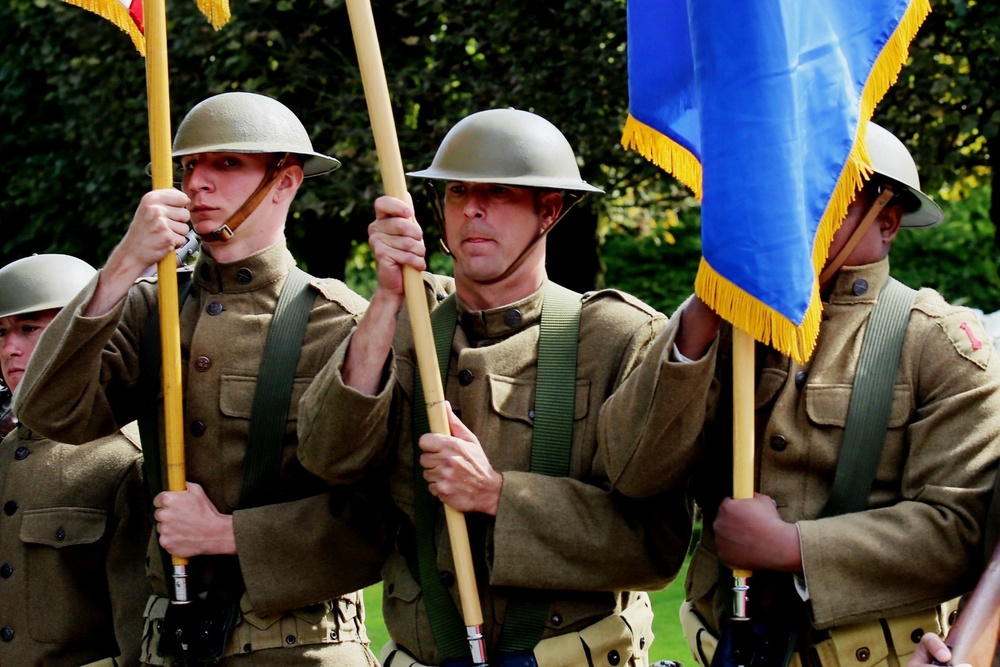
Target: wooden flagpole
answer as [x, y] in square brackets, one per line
[158, 95]
[394, 180]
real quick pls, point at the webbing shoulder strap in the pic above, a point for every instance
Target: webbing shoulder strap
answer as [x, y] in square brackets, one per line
[271, 399]
[871, 400]
[555, 396]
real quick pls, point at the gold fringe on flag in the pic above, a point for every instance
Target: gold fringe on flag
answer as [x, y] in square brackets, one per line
[665, 153]
[216, 11]
[732, 303]
[114, 11]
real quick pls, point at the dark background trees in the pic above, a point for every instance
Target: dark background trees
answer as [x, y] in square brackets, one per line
[74, 146]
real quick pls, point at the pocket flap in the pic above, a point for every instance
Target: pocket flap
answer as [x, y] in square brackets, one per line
[63, 526]
[236, 395]
[515, 399]
[827, 405]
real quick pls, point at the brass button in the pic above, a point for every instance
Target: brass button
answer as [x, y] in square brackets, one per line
[290, 640]
[6, 570]
[214, 308]
[952, 617]
[21, 453]
[6, 633]
[614, 657]
[465, 377]
[862, 654]
[779, 443]
[60, 534]
[800, 379]
[916, 635]
[244, 276]
[556, 619]
[512, 317]
[197, 428]
[202, 364]
[9, 508]
[860, 287]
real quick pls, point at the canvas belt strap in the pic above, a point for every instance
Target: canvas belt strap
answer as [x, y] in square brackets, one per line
[271, 401]
[555, 397]
[871, 400]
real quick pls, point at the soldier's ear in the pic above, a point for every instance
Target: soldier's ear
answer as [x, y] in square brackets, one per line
[549, 207]
[890, 221]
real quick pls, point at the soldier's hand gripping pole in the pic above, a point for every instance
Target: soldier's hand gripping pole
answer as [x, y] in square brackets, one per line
[394, 180]
[157, 90]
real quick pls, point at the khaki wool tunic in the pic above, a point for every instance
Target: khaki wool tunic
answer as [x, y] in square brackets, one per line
[73, 534]
[87, 384]
[919, 541]
[567, 535]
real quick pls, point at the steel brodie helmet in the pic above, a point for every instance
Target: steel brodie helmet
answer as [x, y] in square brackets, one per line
[890, 158]
[509, 147]
[41, 282]
[248, 123]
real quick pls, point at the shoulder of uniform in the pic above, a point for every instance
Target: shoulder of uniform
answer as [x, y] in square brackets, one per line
[618, 301]
[962, 326]
[336, 291]
[437, 288]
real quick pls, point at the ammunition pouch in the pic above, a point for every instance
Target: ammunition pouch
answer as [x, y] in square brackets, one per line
[198, 630]
[886, 642]
[619, 639]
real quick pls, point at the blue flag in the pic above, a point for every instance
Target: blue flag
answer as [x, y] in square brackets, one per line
[760, 107]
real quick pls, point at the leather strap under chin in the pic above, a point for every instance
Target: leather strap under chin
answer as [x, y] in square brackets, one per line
[228, 228]
[834, 265]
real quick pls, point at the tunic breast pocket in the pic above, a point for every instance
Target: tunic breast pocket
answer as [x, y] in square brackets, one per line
[513, 410]
[65, 561]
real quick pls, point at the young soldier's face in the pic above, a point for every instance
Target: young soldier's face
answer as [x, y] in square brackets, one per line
[219, 183]
[19, 335]
[488, 225]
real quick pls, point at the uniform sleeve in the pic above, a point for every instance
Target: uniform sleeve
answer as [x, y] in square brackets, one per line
[299, 553]
[577, 536]
[927, 547]
[342, 432]
[81, 368]
[126, 569]
[649, 427]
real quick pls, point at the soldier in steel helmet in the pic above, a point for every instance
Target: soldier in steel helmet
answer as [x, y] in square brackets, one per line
[73, 531]
[552, 541]
[280, 574]
[846, 586]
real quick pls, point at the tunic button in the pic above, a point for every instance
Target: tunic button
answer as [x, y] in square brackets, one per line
[512, 317]
[290, 640]
[197, 428]
[6, 633]
[860, 286]
[440, 296]
[214, 308]
[202, 364]
[800, 379]
[6, 570]
[447, 578]
[333, 635]
[21, 453]
[779, 443]
[614, 657]
[244, 276]
[60, 534]
[9, 508]
[862, 654]
[556, 619]
[916, 635]
[465, 377]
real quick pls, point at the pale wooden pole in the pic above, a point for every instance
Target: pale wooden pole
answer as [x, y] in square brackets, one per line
[394, 180]
[158, 95]
[743, 446]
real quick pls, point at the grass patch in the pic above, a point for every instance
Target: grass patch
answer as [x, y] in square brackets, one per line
[668, 644]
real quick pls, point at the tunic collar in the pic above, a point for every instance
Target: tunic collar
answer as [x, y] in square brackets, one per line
[251, 273]
[860, 284]
[499, 323]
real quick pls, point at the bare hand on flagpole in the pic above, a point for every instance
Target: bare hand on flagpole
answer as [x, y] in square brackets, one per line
[751, 535]
[699, 327]
[158, 227]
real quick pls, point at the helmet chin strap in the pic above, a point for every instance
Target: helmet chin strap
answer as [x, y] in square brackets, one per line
[834, 265]
[239, 216]
[570, 200]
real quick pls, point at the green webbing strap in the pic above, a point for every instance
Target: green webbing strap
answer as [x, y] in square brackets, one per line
[446, 624]
[871, 400]
[551, 440]
[272, 397]
[555, 396]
